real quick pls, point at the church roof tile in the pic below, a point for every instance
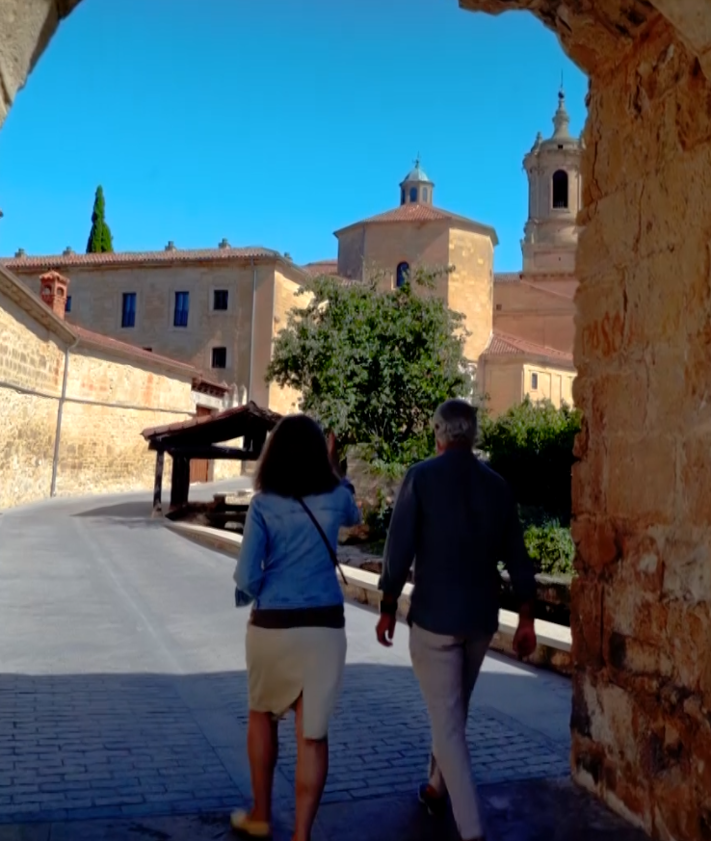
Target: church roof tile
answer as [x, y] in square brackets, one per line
[506, 344]
[416, 212]
[119, 258]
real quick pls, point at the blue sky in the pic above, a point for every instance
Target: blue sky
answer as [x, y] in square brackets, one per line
[275, 123]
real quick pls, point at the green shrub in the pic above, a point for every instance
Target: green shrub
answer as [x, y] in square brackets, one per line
[531, 446]
[551, 548]
[377, 518]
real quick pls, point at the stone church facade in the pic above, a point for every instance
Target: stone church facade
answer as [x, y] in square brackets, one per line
[220, 309]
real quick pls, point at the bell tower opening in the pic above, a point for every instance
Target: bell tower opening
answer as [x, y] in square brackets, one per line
[560, 189]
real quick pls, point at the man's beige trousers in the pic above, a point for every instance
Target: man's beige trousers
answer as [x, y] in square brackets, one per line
[447, 669]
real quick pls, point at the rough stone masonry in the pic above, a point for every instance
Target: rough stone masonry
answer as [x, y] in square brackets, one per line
[642, 489]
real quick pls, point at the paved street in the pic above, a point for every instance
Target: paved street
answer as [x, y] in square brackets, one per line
[123, 693]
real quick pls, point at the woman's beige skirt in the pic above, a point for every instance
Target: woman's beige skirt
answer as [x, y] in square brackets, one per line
[283, 664]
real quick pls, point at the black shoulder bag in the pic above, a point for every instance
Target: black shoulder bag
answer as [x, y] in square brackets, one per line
[331, 550]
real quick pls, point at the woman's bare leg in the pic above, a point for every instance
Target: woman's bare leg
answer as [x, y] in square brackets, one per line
[311, 773]
[262, 747]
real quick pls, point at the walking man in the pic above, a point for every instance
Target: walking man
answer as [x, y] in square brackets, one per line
[456, 519]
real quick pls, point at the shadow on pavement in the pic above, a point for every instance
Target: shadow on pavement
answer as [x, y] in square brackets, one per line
[132, 514]
[93, 757]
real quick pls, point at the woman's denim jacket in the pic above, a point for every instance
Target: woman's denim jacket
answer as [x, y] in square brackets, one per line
[283, 561]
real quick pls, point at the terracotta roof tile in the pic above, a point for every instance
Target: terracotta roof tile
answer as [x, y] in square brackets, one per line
[422, 213]
[124, 347]
[505, 344]
[200, 381]
[320, 267]
[120, 258]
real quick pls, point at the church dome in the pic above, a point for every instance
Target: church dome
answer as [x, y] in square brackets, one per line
[416, 187]
[416, 174]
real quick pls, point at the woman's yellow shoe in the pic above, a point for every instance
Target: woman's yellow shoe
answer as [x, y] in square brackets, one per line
[242, 823]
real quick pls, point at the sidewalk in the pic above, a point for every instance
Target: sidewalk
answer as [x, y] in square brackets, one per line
[123, 702]
[542, 810]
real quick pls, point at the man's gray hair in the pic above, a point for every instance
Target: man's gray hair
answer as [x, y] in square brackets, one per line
[455, 424]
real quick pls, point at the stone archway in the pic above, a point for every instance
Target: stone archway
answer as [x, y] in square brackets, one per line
[642, 489]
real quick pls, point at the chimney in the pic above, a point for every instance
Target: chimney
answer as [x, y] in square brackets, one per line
[20, 253]
[68, 251]
[223, 244]
[171, 246]
[53, 291]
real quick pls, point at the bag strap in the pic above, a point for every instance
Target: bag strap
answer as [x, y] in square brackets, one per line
[331, 550]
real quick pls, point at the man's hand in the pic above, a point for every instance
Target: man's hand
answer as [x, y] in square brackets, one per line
[524, 641]
[385, 629]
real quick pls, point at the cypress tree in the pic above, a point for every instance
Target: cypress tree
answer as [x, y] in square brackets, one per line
[100, 235]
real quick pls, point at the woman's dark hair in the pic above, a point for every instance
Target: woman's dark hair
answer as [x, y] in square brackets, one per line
[295, 462]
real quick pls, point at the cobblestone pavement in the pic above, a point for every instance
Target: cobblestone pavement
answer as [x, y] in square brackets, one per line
[539, 810]
[123, 691]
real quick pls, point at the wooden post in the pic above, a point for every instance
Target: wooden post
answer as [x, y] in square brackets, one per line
[158, 485]
[180, 483]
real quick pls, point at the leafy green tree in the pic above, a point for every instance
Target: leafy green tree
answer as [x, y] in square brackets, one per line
[100, 241]
[551, 548]
[531, 446]
[373, 365]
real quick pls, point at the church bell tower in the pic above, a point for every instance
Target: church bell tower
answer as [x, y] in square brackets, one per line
[554, 198]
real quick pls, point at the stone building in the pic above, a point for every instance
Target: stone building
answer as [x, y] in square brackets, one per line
[417, 233]
[74, 402]
[531, 347]
[220, 309]
[216, 309]
[521, 325]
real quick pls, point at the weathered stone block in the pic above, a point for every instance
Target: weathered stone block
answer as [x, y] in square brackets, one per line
[597, 543]
[599, 323]
[586, 623]
[642, 478]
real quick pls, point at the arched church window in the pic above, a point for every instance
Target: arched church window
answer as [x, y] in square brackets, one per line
[413, 193]
[402, 196]
[403, 274]
[560, 188]
[424, 194]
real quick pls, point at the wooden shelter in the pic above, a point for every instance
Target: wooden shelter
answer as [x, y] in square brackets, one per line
[203, 437]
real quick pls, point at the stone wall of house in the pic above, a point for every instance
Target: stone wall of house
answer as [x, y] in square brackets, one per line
[546, 382]
[642, 492]
[96, 303]
[284, 400]
[109, 402]
[31, 366]
[506, 381]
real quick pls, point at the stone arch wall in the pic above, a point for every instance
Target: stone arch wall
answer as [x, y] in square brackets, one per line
[642, 489]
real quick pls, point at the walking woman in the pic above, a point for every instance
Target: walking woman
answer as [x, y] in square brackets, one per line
[296, 640]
